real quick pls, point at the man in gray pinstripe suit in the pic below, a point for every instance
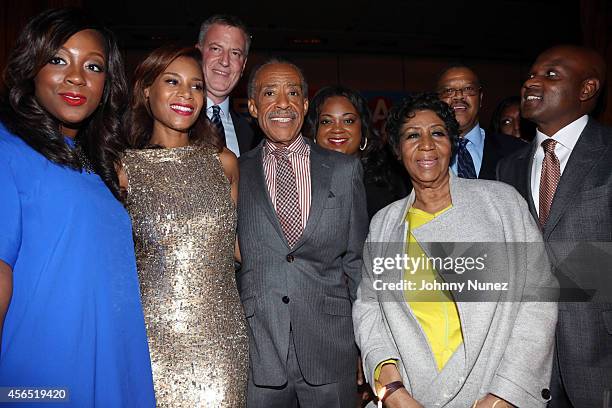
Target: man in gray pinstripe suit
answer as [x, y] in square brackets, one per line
[558, 96]
[302, 222]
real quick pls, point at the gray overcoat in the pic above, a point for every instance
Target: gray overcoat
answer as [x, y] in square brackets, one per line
[507, 344]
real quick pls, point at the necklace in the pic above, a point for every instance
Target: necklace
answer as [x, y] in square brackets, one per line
[81, 157]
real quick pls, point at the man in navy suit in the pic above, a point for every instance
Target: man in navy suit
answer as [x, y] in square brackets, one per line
[478, 153]
[224, 42]
[566, 177]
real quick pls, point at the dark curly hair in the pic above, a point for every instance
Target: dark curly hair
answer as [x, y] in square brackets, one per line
[20, 111]
[405, 110]
[139, 119]
[311, 122]
[373, 157]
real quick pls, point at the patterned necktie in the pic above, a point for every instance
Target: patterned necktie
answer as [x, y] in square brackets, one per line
[216, 120]
[287, 201]
[551, 173]
[465, 164]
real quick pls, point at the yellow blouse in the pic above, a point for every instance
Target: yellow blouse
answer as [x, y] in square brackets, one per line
[435, 310]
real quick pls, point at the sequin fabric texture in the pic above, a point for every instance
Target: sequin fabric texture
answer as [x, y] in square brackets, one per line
[184, 225]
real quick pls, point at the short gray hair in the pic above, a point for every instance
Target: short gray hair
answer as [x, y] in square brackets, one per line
[276, 60]
[226, 20]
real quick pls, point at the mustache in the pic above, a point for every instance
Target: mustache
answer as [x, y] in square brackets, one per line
[291, 114]
[460, 102]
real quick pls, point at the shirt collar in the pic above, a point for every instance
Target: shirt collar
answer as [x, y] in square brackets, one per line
[568, 135]
[476, 136]
[298, 146]
[223, 105]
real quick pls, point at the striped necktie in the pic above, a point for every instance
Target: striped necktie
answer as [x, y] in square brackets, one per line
[216, 120]
[465, 164]
[551, 173]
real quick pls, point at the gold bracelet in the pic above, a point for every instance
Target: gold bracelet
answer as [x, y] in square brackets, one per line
[495, 403]
[475, 403]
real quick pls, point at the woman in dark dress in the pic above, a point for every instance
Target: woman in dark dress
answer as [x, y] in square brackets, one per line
[339, 119]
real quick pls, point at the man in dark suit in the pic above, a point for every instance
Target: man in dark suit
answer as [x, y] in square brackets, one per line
[477, 153]
[566, 177]
[224, 42]
[302, 222]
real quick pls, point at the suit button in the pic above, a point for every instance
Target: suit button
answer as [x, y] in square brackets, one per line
[290, 258]
[546, 394]
[285, 299]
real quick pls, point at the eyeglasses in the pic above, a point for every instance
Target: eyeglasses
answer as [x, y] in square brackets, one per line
[469, 90]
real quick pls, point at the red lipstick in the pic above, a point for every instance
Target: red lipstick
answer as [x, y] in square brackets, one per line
[182, 109]
[73, 99]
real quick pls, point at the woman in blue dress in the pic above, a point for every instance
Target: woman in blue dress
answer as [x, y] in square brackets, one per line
[70, 312]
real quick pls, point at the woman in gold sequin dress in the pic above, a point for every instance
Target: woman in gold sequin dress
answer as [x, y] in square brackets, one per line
[180, 188]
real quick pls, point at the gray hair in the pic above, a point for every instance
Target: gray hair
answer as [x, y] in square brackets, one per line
[226, 20]
[276, 60]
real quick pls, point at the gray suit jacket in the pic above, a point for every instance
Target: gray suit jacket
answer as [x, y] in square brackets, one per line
[308, 289]
[508, 344]
[581, 213]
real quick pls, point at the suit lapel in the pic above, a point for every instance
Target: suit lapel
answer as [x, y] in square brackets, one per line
[524, 168]
[320, 181]
[260, 189]
[516, 171]
[244, 143]
[584, 157]
[490, 157]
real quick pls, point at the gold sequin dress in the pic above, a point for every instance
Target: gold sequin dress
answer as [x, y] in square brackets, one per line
[184, 225]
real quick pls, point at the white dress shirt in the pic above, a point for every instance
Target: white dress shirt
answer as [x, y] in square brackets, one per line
[566, 138]
[231, 140]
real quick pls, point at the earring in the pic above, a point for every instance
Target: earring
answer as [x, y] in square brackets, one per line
[362, 148]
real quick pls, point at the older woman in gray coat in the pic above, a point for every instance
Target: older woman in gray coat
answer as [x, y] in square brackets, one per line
[482, 344]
